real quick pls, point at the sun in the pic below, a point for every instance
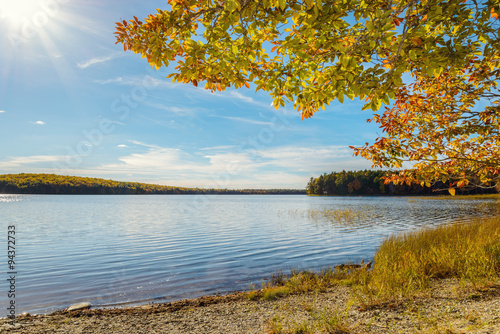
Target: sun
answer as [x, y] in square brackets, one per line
[17, 12]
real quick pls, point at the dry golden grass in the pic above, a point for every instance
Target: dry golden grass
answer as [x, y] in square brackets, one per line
[405, 264]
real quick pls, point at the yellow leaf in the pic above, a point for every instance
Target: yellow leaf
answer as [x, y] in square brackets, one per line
[452, 191]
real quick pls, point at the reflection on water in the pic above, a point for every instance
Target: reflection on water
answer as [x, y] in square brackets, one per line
[12, 198]
[414, 212]
[125, 250]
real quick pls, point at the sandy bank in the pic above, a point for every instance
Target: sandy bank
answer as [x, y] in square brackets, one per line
[446, 308]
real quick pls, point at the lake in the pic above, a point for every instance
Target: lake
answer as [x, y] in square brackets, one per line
[130, 250]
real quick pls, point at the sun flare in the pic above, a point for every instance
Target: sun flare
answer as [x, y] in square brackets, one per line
[17, 12]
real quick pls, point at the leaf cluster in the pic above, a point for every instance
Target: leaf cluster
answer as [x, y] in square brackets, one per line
[309, 53]
[446, 126]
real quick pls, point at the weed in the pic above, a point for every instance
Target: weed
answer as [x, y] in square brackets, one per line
[474, 296]
[275, 292]
[334, 321]
[275, 325]
[253, 295]
[302, 328]
[278, 278]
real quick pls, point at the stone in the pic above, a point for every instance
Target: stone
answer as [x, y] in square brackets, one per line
[79, 306]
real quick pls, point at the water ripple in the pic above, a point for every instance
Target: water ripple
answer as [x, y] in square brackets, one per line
[127, 250]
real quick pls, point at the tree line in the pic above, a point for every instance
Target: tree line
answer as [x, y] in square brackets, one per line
[372, 182]
[26, 183]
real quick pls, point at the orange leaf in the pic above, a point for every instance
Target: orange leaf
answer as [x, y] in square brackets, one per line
[493, 14]
[417, 41]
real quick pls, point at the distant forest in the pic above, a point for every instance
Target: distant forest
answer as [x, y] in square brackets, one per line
[75, 185]
[371, 182]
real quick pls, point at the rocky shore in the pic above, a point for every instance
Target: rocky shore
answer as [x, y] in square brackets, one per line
[448, 307]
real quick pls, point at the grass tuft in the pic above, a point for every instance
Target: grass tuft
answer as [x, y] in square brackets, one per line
[273, 292]
[407, 262]
[275, 325]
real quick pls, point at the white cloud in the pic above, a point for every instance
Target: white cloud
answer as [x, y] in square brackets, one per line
[166, 160]
[174, 109]
[144, 144]
[228, 166]
[156, 158]
[294, 152]
[96, 60]
[2, 111]
[146, 81]
[114, 80]
[39, 123]
[317, 159]
[150, 82]
[243, 97]
[30, 160]
[279, 180]
[241, 160]
[235, 96]
[224, 166]
[245, 120]
[215, 148]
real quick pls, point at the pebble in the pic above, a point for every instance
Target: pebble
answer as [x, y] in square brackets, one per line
[241, 315]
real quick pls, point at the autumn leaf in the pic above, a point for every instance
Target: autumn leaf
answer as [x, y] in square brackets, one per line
[494, 15]
[417, 41]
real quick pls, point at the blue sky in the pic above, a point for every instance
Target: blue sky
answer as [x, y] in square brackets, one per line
[74, 103]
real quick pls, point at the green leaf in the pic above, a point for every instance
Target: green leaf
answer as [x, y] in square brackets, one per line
[439, 10]
[430, 71]
[282, 4]
[413, 55]
[340, 96]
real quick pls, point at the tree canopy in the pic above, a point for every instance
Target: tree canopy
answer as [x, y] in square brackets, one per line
[435, 64]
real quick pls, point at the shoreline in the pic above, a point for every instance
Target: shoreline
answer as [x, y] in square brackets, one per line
[447, 305]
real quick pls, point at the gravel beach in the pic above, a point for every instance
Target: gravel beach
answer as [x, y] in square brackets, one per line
[448, 307]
